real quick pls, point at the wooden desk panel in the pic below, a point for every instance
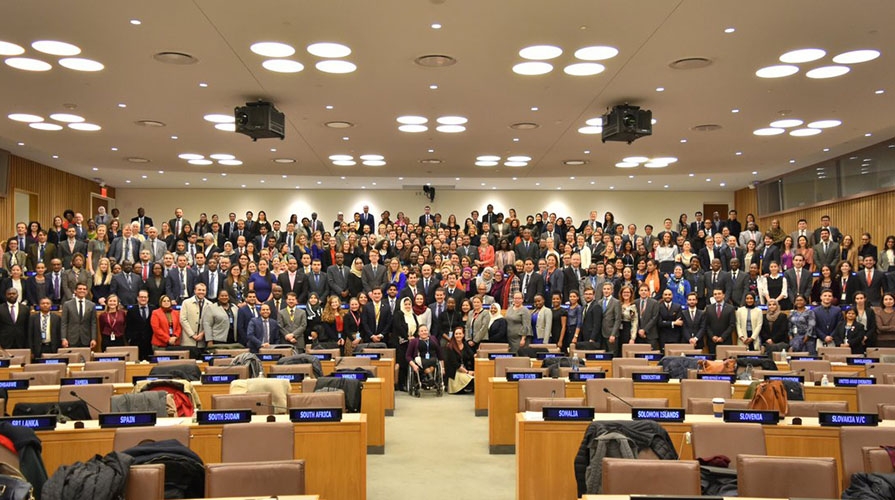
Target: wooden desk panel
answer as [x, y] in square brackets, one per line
[815, 393]
[49, 394]
[385, 369]
[484, 370]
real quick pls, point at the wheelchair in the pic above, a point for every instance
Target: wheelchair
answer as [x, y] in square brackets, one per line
[420, 381]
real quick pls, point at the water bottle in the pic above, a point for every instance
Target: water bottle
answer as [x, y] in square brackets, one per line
[783, 355]
[824, 381]
[575, 362]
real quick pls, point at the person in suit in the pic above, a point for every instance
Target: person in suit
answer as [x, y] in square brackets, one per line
[572, 276]
[693, 329]
[770, 253]
[214, 280]
[142, 220]
[126, 284]
[553, 276]
[716, 278]
[276, 301]
[79, 320]
[337, 278]
[40, 251]
[670, 321]
[246, 314]
[427, 217]
[55, 276]
[126, 248]
[835, 235]
[591, 221]
[428, 282]
[647, 318]
[71, 246]
[180, 282]
[209, 246]
[737, 283]
[412, 288]
[720, 321]
[138, 324]
[263, 331]
[804, 231]
[178, 222]
[44, 330]
[74, 276]
[219, 320]
[191, 325]
[798, 278]
[376, 319]
[366, 219]
[451, 289]
[730, 251]
[293, 322]
[826, 251]
[708, 253]
[374, 274]
[293, 281]
[611, 318]
[531, 283]
[467, 249]
[871, 281]
[13, 322]
[697, 224]
[317, 280]
[156, 247]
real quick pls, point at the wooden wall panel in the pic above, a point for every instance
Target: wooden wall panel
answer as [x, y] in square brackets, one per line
[871, 213]
[56, 191]
[746, 202]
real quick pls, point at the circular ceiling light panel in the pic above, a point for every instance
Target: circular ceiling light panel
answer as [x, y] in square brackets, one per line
[664, 159]
[769, 131]
[635, 159]
[451, 120]
[802, 56]
[413, 129]
[25, 118]
[451, 129]
[283, 65]
[55, 48]
[825, 124]
[515, 164]
[339, 124]
[85, 127]
[532, 68]
[584, 69]
[284, 160]
[230, 163]
[374, 163]
[590, 130]
[804, 132]
[412, 120]
[28, 64]
[486, 163]
[519, 158]
[336, 66]
[219, 118]
[341, 157]
[344, 163]
[787, 123]
[626, 164]
[595, 122]
[45, 126]
[10, 49]
[226, 127]
[178, 58]
[655, 164]
[222, 156]
[200, 162]
[65, 117]
[191, 156]
[540, 52]
[828, 72]
[372, 157]
[488, 158]
[329, 50]
[596, 53]
[81, 64]
[856, 56]
[272, 49]
[778, 71]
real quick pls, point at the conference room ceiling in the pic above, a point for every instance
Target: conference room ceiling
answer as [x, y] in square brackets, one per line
[705, 116]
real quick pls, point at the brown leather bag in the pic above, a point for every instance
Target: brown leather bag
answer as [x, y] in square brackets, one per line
[770, 395]
[724, 366]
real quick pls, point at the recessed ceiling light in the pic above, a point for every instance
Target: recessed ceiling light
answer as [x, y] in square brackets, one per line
[625, 164]
[319, 182]
[95, 169]
[81, 64]
[85, 127]
[486, 163]
[590, 130]
[451, 120]
[222, 156]
[825, 124]
[200, 162]
[802, 56]
[777, 71]
[734, 110]
[343, 177]
[412, 120]
[341, 157]
[804, 132]
[575, 163]
[273, 150]
[691, 175]
[723, 184]
[584, 69]
[114, 149]
[879, 91]
[483, 183]
[868, 134]
[488, 158]
[10, 49]
[537, 183]
[768, 131]
[729, 30]
[540, 52]
[329, 50]
[226, 127]
[284, 160]
[55, 48]
[787, 123]
[515, 139]
[587, 151]
[664, 159]
[635, 159]
[413, 129]
[372, 157]
[25, 118]
[683, 141]
[828, 72]
[272, 49]
[596, 53]
[450, 129]
[515, 164]
[136, 22]
[630, 177]
[792, 161]
[374, 163]
[430, 150]
[122, 105]
[191, 156]
[231, 163]
[161, 171]
[708, 180]
[660, 89]
[655, 164]
[28, 64]
[174, 137]
[45, 126]
[338, 124]
[532, 68]
[219, 118]
[739, 153]
[856, 56]
[346, 138]
[144, 176]
[55, 157]
[65, 117]
[433, 87]
[20, 143]
[572, 178]
[457, 178]
[137, 159]
[519, 158]
[400, 178]
[534, 108]
[435, 26]
[595, 122]
[336, 66]
[283, 65]
[128, 181]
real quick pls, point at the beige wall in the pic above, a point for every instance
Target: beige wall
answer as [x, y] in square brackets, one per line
[638, 207]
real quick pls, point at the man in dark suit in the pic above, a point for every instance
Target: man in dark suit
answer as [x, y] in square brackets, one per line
[126, 247]
[70, 246]
[126, 284]
[143, 220]
[467, 249]
[366, 219]
[428, 283]
[693, 330]
[591, 329]
[263, 331]
[13, 322]
[138, 329]
[697, 224]
[213, 279]
[532, 283]
[229, 226]
[835, 235]
[670, 321]
[180, 281]
[44, 330]
[376, 322]
[245, 315]
[611, 320]
[40, 251]
[798, 279]
[716, 278]
[412, 288]
[572, 276]
[427, 216]
[803, 231]
[317, 280]
[871, 281]
[176, 224]
[452, 290]
[592, 222]
[770, 253]
[647, 318]
[79, 320]
[276, 301]
[337, 277]
[527, 248]
[720, 321]
[294, 282]
[708, 253]
[374, 274]
[490, 217]
[316, 224]
[826, 252]
[730, 251]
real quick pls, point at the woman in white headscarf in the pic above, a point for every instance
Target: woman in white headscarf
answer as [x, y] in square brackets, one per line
[404, 327]
[497, 324]
[486, 278]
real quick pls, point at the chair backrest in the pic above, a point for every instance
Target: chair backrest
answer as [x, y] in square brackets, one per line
[117, 366]
[540, 388]
[98, 395]
[61, 369]
[879, 370]
[877, 460]
[616, 406]
[352, 362]
[308, 369]
[650, 477]
[241, 370]
[628, 350]
[232, 352]
[108, 376]
[887, 411]
[703, 406]
[785, 477]
[872, 352]
[840, 358]
[84, 353]
[704, 389]
[618, 363]
[679, 349]
[493, 347]
[727, 351]
[810, 366]
[538, 404]
[283, 350]
[49, 377]
[267, 479]
[131, 353]
[10, 458]
[242, 401]
[810, 408]
[625, 371]
[889, 378]
[222, 361]
[853, 439]
[597, 398]
[329, 399]
[823, 351]
[128, 437]
[175, 362]
[255, 442]
[730, 440]
[871, 396]
[20, 353]
[145, 482]
[501, 365]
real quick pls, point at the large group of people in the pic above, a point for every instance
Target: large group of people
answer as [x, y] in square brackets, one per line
[494, 278]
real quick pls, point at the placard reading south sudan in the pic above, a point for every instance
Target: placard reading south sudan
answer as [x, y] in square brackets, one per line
[208, 417]
[132, 419]
[573, 413]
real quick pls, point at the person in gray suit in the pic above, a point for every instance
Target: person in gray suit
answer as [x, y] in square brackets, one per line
[71, 246]
[156, 247]
[293, 323]
[317, 281]
[647, 318]
[126, 285]
[374, 275]
[612, 319]
[125, 248]
[826, 252]
[219, 320]
[798, 278]
[337, 278]
[72, 277]
[737, 282]
[79, 320]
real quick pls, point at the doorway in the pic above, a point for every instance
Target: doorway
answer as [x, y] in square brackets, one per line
[25, 206]
[708, 209]
[97, 201]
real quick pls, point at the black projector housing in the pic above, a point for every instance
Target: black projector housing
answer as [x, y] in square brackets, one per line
[625, 123]
[260, 120]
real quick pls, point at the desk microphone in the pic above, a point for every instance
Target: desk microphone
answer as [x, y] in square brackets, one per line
[273, 407]
[552, 395]
[616, 396]
[79, 398]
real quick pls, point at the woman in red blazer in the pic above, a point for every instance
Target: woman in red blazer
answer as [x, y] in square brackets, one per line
[165, 323]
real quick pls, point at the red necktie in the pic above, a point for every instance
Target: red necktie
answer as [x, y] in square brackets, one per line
[718, 310]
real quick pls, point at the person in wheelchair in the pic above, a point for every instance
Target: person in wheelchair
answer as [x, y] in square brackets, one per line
[425, 360]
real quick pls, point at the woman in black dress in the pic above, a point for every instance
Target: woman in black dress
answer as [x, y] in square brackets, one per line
[558, 332]
[155, 285]
[459, 362]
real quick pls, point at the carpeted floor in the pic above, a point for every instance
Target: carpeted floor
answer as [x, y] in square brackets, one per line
[437, 449]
